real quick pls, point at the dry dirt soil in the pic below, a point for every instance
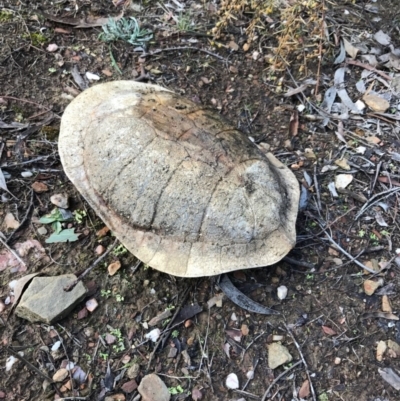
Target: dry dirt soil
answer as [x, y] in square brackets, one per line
[327, 318]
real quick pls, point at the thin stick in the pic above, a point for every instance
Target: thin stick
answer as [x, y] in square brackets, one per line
[13, 252]
[172, 49]
[162, 336]
[25, 101]
[91, 267]
[29, 365]
[314, 397]
[347, 254]
[23, 220]
[249, 379]
[376, 198]
[285, 372]
[368, 67]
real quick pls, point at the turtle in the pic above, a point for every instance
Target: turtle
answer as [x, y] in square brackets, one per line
[180, 187]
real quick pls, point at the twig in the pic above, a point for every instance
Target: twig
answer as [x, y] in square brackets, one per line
[91, 267]
[13, 252]
[320, 49]
[376, 198]
[30, 366]
[172, 49]
[250, 378]
[378, 169]
[285, 372]
[298, 263]
[346, 253]
[314, 397]
[317, 189]
[167, 329]
[36, 159]
[368, 67]
[25, 101]
[23, 220]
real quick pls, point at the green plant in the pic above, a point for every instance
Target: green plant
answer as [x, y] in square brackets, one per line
[119, 250]
[55, 218]
[103, 355]
[120, 346]
[79, 215]
[361, 233]
[105, 293]
[127, 30]
[183, 23]
[176, 390]
[175, 334]
[6, 16]
[119, 298]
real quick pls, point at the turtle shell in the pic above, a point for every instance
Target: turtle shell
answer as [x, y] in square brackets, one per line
[180, 187]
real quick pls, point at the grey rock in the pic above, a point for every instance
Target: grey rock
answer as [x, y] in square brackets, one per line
[46, 301]
[278, 355]
[152, 388]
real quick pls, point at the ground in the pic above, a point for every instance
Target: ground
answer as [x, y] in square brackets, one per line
[327, 318]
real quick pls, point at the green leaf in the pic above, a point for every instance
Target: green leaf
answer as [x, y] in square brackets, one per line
[54, 215]
[56, 226]
[63, 236]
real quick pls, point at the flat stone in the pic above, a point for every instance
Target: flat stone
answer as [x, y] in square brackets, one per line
[278, 355]
[133, 371]
[46, 301]
[152, 388]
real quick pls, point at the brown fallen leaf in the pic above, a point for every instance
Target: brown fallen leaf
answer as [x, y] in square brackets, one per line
[103, 232]
[39, 187]
[386, 307]
[327, 330]
[304, 391]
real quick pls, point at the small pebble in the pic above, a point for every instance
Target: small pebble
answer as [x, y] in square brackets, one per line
[100, 249]
[42, 230]
[91, 305]
[60, 200]
[27, 174]
[282, 292]
[232, 381]
[338, 360]
[60, 375]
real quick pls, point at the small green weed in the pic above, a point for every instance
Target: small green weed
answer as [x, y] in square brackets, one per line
[119, 298]
[79, 215]
[119, 250]
[120, 346]
[105, 293]
[175, 334]
[176, 390]
[183, 23]
[55, 218]
[37, 38]
[127, 30]
[6, 16]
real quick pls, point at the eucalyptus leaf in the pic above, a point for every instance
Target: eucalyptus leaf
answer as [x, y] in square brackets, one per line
[63, 236]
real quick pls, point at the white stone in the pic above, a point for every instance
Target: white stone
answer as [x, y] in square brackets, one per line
[282, 292]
